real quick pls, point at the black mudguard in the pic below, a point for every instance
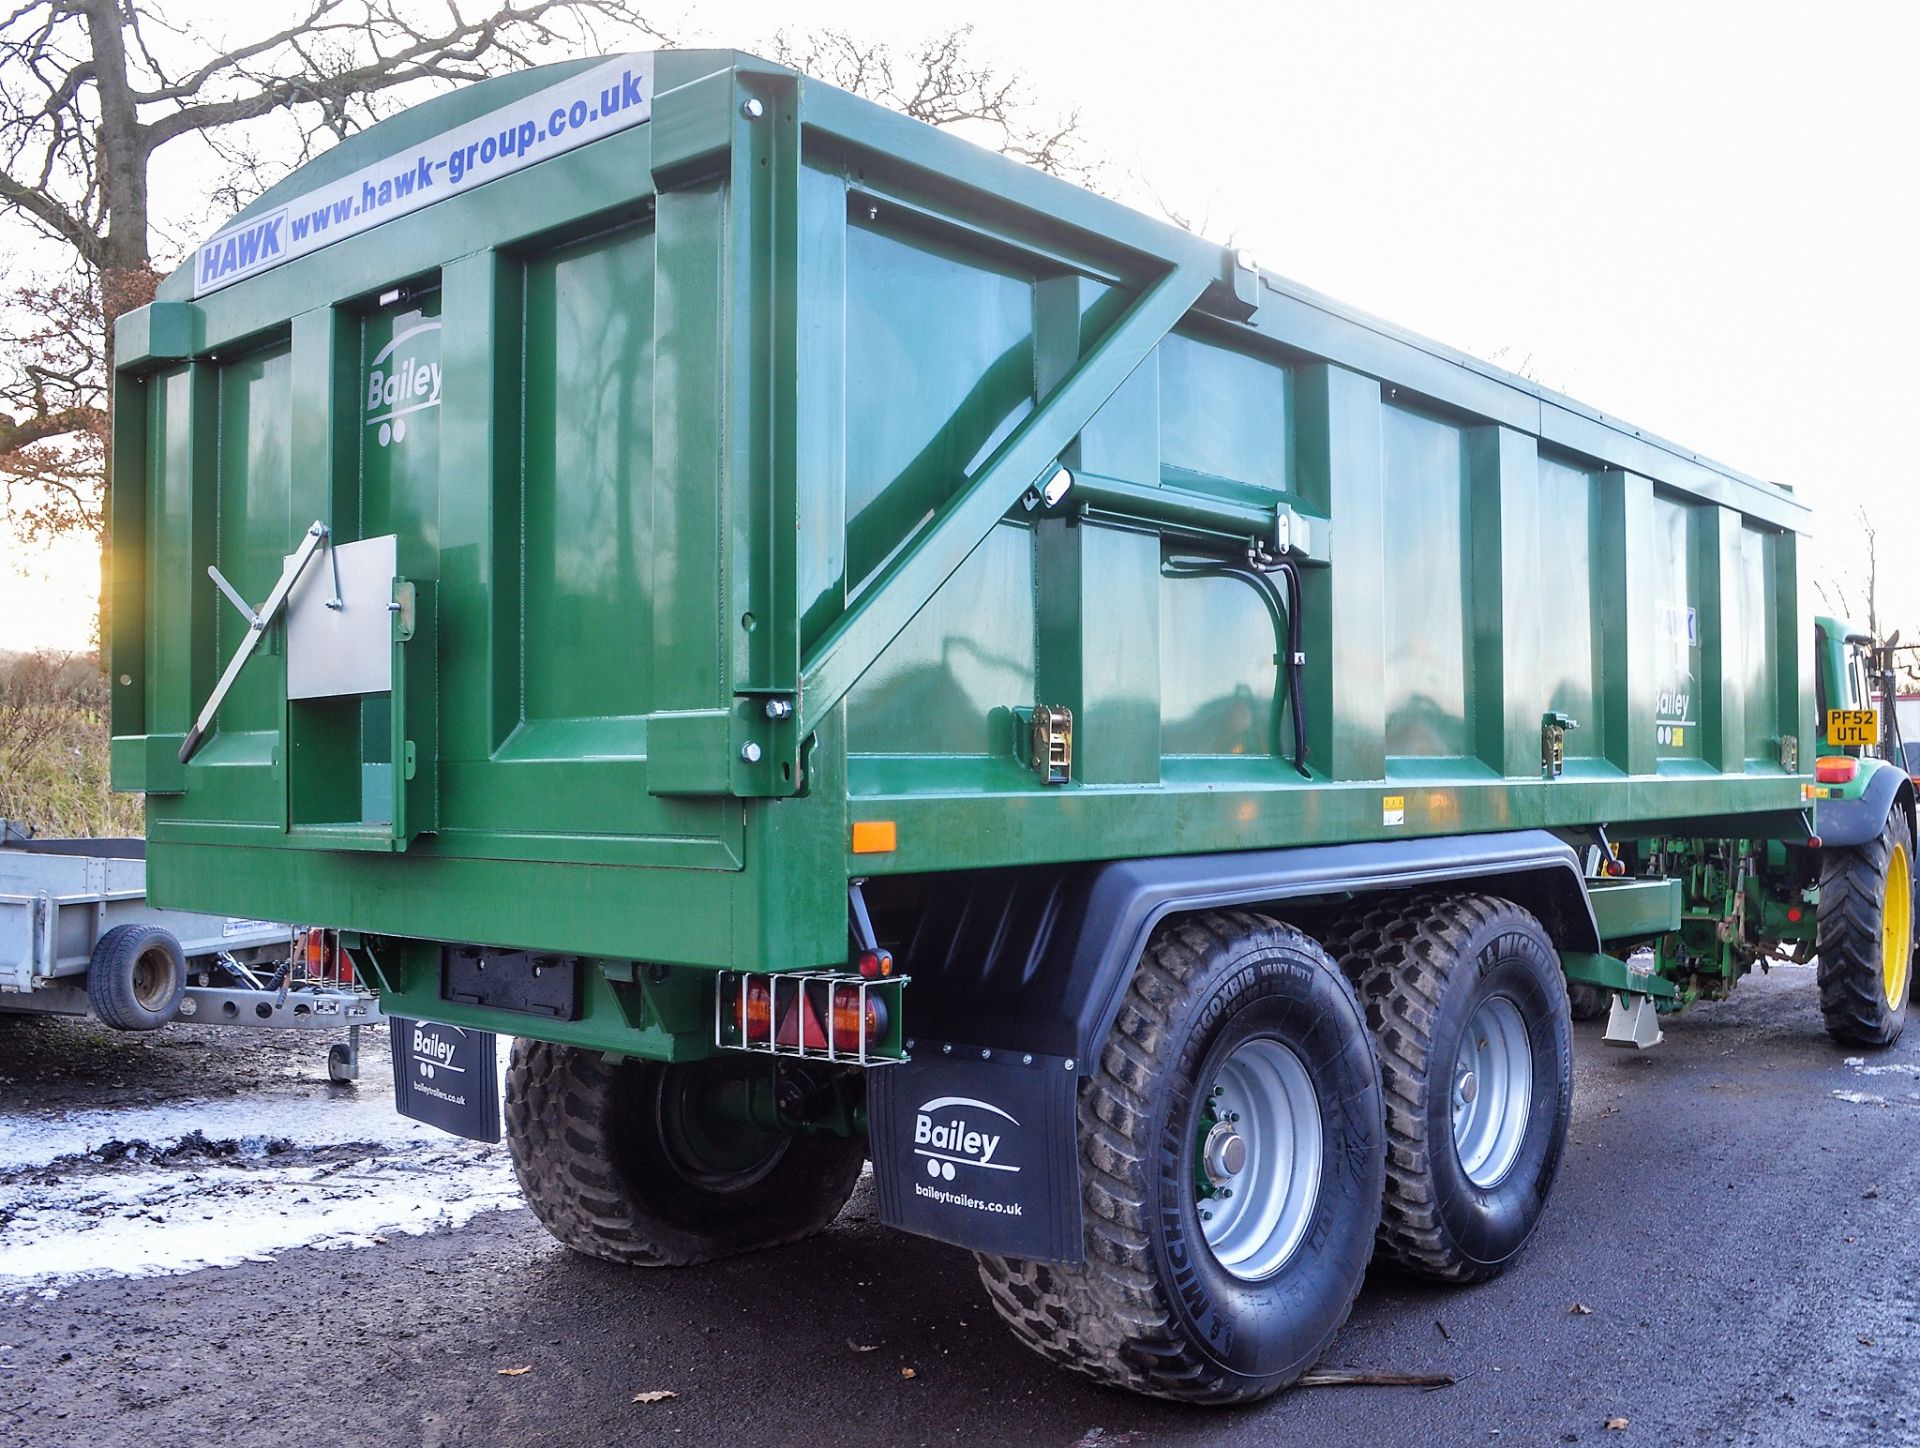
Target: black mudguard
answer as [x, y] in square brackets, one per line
[1844, 823]
[1016, 976]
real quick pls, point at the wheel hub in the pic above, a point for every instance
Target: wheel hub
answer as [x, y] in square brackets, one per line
[1492, 1091]
[1259, 1159]
[1225, 1154]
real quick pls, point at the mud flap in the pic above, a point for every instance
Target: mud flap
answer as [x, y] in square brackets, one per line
[447, 1076]
[978, 1148]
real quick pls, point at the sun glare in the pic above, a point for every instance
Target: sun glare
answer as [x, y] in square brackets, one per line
[49, 594]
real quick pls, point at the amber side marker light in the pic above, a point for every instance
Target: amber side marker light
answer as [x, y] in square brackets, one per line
[1836, 769]
[874, 837]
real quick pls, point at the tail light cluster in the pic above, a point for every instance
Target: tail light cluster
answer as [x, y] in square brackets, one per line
[321, 959]
[817, 1015]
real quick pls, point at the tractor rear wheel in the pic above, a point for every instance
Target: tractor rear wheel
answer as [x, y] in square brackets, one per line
[1865, 936]
[1230, 1164]
[1469, 1013]
[658, 1165]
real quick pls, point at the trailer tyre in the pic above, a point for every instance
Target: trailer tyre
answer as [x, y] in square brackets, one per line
[1865, 936]
[639, 1162]
[136, 977]
[1234, 1304]
[1469, 1011]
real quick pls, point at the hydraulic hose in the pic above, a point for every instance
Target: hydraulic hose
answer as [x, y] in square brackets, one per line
[1285, 614]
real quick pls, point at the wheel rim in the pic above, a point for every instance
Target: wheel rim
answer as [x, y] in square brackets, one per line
[1257, 1159]
[1492, 1091]
[1896, 927]
[152, 978]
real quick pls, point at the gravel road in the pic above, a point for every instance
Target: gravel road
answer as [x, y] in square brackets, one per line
[1732, 1256]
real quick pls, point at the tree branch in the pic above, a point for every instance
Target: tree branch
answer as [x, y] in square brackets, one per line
[41, 206]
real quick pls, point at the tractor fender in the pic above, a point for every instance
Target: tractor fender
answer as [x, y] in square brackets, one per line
[1843, 823]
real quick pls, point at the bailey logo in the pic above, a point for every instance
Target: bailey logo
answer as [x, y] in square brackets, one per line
[949, 1133]
[404, 377]
[433, 1052]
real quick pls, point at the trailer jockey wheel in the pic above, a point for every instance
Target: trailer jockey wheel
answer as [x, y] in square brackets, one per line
[1231, 1160]
[657, 1165]
[1468, 1008]
[1865, 936]
[136, 977]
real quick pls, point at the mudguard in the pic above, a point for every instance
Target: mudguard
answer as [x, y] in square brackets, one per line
[1017, 976]
[1038, 959]
[1843, 823]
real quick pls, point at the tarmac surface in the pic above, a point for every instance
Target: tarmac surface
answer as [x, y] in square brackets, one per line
[1732, 1255]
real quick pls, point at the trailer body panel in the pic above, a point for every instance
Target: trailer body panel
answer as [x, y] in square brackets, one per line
[717, 452]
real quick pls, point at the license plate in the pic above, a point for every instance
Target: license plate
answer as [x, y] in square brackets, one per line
[447, 1076]
[1853, 727]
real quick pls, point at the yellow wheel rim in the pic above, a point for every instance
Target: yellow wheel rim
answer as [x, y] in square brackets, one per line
[1896, 927]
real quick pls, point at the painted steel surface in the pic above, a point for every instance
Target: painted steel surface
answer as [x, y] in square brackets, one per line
[703, 445]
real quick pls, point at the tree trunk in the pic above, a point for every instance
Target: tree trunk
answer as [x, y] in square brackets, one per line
[127, 279]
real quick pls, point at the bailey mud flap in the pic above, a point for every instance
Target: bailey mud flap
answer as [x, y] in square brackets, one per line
[447, 1076]
[977, 1147]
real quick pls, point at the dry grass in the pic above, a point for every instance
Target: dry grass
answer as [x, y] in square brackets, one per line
[53, 748]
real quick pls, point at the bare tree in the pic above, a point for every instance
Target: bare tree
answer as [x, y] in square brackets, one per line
[1862, 603]
[943, 81]
[91, 91]
[1842, 599]
[52, 405]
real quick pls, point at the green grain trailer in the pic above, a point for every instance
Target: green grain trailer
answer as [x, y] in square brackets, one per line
[848, 646]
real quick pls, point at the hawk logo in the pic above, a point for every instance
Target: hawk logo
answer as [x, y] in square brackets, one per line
[236, 253]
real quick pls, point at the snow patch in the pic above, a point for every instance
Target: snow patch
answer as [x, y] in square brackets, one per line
[164, 1220]
[1860, 1098]
[173, 1188]
[1884, 1068]
[39, 1139]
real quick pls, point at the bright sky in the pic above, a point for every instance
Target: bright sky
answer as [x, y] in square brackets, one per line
[1700, 217]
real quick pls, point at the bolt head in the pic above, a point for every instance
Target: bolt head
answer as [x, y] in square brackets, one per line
[752, 109]
[750, 752]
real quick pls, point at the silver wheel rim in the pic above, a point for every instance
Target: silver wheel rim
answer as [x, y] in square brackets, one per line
[1258, 1159]
[1492, 1091]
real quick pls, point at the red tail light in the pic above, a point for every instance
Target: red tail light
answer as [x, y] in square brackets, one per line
[852, 1026]
[322, 959]
[753, 1011]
